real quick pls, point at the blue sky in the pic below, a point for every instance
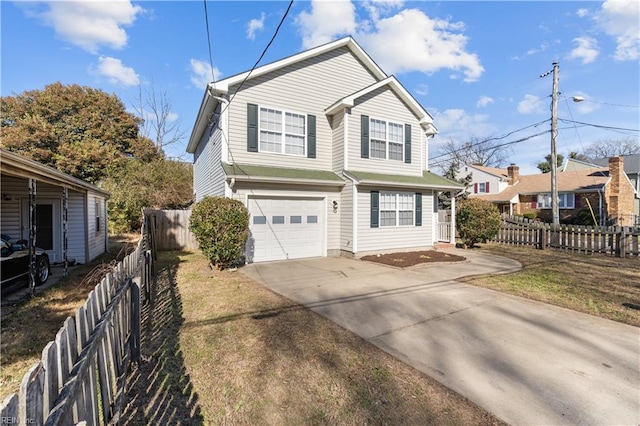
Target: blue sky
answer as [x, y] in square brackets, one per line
[474, 66]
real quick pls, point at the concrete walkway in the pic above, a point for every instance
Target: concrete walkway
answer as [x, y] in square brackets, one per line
[526, 362]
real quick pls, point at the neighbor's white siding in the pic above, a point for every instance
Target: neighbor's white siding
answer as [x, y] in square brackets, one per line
[76, 226]
[208, 175]
[96, 238]
[307, 87]
[395, 237]
[383, 104]
[332, 219]
[14, 189]
[496, 184]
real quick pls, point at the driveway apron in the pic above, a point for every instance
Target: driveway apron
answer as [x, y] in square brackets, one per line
[527, 362]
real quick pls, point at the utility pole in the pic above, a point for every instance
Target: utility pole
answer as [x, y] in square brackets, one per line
[554, 154]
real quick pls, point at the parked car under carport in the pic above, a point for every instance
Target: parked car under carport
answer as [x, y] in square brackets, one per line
[14, 270]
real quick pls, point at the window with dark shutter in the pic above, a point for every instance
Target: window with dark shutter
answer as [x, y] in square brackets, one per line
[252, 128]
[375, 208]
[364, 136]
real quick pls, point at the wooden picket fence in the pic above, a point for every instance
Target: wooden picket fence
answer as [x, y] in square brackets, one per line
[611, 240]
[81, 376]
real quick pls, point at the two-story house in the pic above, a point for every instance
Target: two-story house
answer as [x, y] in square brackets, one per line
[328, 153]
[488, 180]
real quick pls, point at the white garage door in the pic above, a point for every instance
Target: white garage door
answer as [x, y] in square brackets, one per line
[285, 228]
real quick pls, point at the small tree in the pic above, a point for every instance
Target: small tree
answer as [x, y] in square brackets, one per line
[221, 226]
[477, 221]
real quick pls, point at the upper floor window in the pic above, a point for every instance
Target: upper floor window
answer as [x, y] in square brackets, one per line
[481, 187]
[386, 140]
[282, 132]
[566, 200]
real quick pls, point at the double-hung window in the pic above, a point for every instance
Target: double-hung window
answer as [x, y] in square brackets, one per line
[282, 132]
[566, 200]
[386, 140]
[396, 209]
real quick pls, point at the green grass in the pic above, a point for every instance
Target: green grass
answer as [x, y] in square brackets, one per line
[594, 284]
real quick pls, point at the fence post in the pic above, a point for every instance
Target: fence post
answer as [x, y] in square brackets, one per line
[135, 319]
[541, 238]
[622, 241]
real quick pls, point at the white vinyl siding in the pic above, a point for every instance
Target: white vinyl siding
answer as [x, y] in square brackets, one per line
[208, 175]
[337, 124]
[76, 227]
[384, 106]
[345, 208]
[309, 86]
[392, 237]
[96, 238]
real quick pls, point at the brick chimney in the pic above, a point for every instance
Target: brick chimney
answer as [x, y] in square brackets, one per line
[513, 172]
[619, 194]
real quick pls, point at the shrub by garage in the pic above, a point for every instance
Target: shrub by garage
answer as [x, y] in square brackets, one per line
[221, 227]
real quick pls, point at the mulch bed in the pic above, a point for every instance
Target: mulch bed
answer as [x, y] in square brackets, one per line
[412, 258]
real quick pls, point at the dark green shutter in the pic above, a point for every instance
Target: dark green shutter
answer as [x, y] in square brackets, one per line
[252, 128]
[311, 136]
[407, 143]
[418, 209]
[364, 136]
[375, 208]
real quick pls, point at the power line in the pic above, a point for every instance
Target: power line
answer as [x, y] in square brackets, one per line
[488, 140]
[206, 19]
[260, 58]
[599, 126]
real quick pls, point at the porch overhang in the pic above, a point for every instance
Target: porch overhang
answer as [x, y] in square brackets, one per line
[428, 180]
[280, 175]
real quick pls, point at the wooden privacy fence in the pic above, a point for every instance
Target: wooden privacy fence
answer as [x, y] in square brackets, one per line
[81, 377]
[172, 229]
[612, 240]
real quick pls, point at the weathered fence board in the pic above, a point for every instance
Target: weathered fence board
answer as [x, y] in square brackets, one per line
[81, 377]
[615, 241]
[172, 229]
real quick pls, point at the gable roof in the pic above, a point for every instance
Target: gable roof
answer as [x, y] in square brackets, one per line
[585, 180]
[221, 87]
[495, 171]
[426, 121]
[631, 163]
[12, 164]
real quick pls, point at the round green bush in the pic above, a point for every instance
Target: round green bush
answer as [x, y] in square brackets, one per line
[221, 227]
[477, 221]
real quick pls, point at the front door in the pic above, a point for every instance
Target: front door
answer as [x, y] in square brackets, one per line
[48, 236]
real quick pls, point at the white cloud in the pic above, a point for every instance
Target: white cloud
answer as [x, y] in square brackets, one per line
[619, 19]
[422, 89]
[116, 72]
[587, 49]
[201, 73]
[91, 24]
[531, 104]
[327, 20]
[403, 42]
[582, 13]
[484, 101]
[458, 124]
[255, 25]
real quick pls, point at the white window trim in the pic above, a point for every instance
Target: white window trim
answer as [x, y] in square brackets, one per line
[544, 206]
[482, 187]
[397, 209]
[283, 133]
[386, 141]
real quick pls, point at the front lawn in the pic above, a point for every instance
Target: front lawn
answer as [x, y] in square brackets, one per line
[599, 285]
[221, 349]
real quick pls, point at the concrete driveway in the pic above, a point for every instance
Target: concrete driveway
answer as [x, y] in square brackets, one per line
[526, 362]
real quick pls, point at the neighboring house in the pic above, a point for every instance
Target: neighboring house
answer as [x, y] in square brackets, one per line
[631, 169]
[607, 192]
[70, 215]
[328, 153]
[487, 180]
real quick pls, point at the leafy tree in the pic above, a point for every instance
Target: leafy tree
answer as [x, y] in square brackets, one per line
[545, 166]
[452, 173]
[479, 151]
[221, 226]
[160, 184]
[477, 220]
[78, 130]
[612, 148]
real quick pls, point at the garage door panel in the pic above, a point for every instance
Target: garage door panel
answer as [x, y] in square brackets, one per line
[286, 228]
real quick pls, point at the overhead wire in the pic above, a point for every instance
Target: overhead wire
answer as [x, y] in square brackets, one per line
[206, 19]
